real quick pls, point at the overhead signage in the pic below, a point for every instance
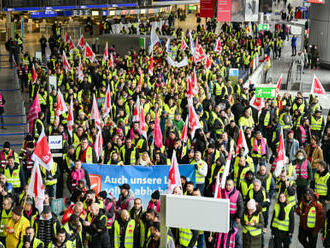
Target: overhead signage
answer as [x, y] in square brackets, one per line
[265, 92]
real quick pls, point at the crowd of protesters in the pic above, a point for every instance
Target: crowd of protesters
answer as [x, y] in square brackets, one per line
[222, 106]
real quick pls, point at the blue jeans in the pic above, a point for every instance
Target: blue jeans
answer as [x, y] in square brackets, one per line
[200, 243]
[201, 187]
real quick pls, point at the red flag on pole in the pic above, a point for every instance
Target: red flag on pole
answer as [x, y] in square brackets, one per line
[82, 42]
[194, 123]
[42, 154]
[34, 75]
[208, 63]
[317, 87]
[242, 142]
[107, 103]
[183, 44]
[139, 85]
[33, 112]
[195, 87]
[226, 170]
[184, 135]
[61, 106]
[80, 71]
[158, 133]
[136, 113]
[89, 53]
[174, 179]
[218, 47]
[70, 119]
[151, 66]
[257, 103]
[106, 52]
[66, 63]
[280, 158]
[278, 86]
[111, 61]
[98, 145]
[143, 128]
[36, 188]
[71, 45]
[95, 114]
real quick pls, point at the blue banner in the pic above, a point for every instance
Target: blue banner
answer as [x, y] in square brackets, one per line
[143, 180]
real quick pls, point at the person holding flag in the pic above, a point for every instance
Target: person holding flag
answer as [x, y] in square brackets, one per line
[201, 171]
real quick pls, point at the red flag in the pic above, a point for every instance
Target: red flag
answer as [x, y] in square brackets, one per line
[174, 179]
[107, 103]
[194, 123]
[218, 47]
[98, 144]
[317, 87]
[80, 71]
[278, 86]
[184, 135]
[189, 87]
[111, 61]
[136, 113]
[89, 53]
[36, 188]
[194, 84]
[70, 119]
[143, 128]
[71, 45]
[199, 52]
[151, 66]
[61, 106]
[33, 112]
[217, 193]
[183, 44]
[208, 63]
[34, 75]
[280, 158]
[42, 154]
[158, 133]
[82, 42]
[257, 103]
[139, 85]
[66, 63]
[242, 142]
[106, 52]
[95, 114]
[66, 37]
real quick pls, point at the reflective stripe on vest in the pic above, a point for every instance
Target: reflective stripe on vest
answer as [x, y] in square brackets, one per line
[311, 217]
[14, 179]
[252, 230]
[200, 178]
[316, 124]
[321, 184]
[282, 225]
[302, 170]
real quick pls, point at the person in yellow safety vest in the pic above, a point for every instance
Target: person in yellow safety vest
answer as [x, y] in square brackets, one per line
[96, 227]
[60, 240]
[246, 184]
[240, 171]
[42, 96]
[136, 213]
[50, 177]
[201, 171]
[246, 120]
[252, 223]
[246, 59]
[317, 123]
[259, 150]
[73, 229]
[321, 183]
[15, 175]
[38, 125]
[125, 231]
[30, 240]
[278, 47]
[7, 205]
[268, 183]
[287, 187]
[188, 238]
[258, 193]
[248, 159]
[15, 227]
[311, 219]
[84, 152]
[154, 239]
[264, 119]
[128, 153]
[68, 159]
[300, 105]
[282, 224]
[285, 120]
[170, 108]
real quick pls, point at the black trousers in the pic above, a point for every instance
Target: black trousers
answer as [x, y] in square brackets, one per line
[281, 239]
[306, 238]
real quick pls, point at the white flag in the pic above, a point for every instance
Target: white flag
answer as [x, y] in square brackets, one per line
[36, 187]
[174, 178]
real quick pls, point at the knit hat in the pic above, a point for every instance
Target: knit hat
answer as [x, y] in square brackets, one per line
[103, 194]
[6, 145]
[251, 205]
[155, 195]
[17, 210]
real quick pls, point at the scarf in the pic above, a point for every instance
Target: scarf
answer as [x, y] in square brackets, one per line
[281, 215]
[263, 146]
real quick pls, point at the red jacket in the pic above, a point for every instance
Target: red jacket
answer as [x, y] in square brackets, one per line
[303, 210]
[70, 212]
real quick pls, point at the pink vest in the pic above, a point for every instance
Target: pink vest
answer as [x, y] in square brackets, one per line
[303, 134]
[225, 239]
[263, 146]
[3, 157]
[232, 198]
[124, 204]
[76, 176]
[302, 171]
[1, 105]
[151, 205]
[108, 207]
